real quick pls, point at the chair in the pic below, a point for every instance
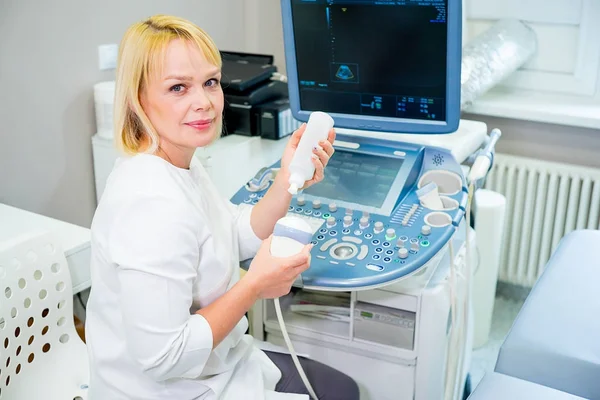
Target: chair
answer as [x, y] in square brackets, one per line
[41, 354]
[553, 348]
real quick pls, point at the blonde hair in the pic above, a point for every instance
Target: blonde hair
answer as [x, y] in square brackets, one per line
[141, 54]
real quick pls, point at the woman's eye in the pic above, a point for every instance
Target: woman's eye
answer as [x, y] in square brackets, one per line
[212, 82]
[177, 88]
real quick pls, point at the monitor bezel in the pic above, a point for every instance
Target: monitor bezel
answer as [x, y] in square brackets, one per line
[387, 124]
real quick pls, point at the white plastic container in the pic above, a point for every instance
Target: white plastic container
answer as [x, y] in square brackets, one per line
[302, 167]
[104, 100]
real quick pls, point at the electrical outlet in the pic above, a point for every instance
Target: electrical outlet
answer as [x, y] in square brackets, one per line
[107, 56]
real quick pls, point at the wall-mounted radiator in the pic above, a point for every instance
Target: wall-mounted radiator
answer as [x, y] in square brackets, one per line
[544, 201]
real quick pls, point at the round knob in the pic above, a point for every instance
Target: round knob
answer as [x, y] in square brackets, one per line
[378, 228]
[348, 211]
[426, 230]
[330, 222]
[316, 203]
[403, 252]
[414, 246]
[300, 201]
[365, 214]
[332, 207]
[401, 242]
[364, 222]
[348, 220]
[390, 233]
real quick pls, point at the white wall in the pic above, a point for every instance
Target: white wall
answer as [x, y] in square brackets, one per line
[560, 143]
[48, 65]
[265, 31]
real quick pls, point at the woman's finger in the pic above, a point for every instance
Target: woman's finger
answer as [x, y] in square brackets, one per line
[319, 170]
[327, 147]
[331, 136]
[322, 154]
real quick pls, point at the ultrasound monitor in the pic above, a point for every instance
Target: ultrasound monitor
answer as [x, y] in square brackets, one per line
[375, 65]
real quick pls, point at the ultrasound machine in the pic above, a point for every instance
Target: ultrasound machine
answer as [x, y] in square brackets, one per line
[386, 299]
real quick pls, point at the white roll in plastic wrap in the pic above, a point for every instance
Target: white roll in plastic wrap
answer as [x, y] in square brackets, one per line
[492, 56]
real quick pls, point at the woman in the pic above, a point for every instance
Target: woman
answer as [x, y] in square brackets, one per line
[166, 315]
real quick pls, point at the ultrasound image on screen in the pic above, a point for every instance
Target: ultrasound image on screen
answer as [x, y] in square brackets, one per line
[357, 178]
[375, 58]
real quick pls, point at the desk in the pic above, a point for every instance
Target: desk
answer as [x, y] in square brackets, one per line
[74, 239]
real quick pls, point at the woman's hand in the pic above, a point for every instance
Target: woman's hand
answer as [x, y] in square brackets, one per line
[321, 155]
[273, 276]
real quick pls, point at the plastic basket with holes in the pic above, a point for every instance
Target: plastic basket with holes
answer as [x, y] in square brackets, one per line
[41, 355]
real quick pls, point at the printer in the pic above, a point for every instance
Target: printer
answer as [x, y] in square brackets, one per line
[255, 105]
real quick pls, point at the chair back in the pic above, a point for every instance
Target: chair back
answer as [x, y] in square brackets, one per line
[41, 355]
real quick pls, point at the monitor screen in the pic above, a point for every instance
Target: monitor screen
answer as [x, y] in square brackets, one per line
[357, 178]
[378, 64]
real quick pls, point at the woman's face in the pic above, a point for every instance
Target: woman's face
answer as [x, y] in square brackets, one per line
[184, 102]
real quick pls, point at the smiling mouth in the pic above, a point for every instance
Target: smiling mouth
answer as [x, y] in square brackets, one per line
[200, 124]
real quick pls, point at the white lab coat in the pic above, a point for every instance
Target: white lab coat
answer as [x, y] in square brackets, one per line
[165, 244]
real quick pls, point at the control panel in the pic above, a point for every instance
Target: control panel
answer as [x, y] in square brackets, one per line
[369, 226]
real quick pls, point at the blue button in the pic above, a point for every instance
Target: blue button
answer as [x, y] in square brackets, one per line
[368, 236]
[375, 242]
[389, 252]
[314, 242]
[387, 259]
[320, 237]
[307, 212]
[323, 230]
[317, 213]
[346, 231]
[247, 200]
[252, 195]
[412, 252]
[254, 201]
[378, 250]
[414, 240]
[357, 232]
[298, 210]
[260, 196]
[386, 244]
[425, 243]
[376, 256]
[404, 238]
[333, 233]
[290, 208]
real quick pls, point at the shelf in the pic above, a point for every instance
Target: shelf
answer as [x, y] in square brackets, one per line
[337, 334]
[314, 326]
[558, 109]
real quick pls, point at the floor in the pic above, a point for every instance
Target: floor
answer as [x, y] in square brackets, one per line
[507, 306]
